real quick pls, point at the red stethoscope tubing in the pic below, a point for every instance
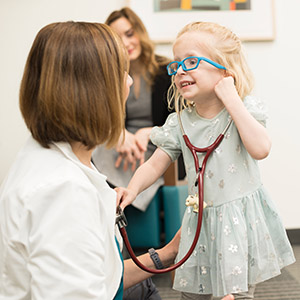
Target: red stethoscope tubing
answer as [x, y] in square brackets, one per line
[200, 182]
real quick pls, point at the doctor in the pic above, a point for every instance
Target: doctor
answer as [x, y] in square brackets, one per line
[57, 213]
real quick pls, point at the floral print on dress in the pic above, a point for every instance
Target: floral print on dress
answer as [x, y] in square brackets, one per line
[202, 248]
[232, 168]
[235, 221]
[209, 174]
[236, 271]
[221, 184]
[236, 289]
[220, 214]
[201, 288]
[218, 150]
[227, 230]
[203, 270]
[183, 282]
[233, 248]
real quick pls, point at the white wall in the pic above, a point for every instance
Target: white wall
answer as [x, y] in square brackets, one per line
[275, 65]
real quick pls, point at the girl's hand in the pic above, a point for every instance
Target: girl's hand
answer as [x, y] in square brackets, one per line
[130, 151]
[253, 134]
[226, 91]
[124, 196]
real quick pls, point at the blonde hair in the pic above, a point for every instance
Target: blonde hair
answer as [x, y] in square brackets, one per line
[73, 86]
[150, 61]
[226, 49]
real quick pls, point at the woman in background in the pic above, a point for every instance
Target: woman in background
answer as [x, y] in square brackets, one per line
[146, 106]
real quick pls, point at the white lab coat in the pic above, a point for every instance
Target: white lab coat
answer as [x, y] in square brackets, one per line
[57, 238]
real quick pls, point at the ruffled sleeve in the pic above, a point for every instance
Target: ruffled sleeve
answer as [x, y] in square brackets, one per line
[257, 109]
[167, 137]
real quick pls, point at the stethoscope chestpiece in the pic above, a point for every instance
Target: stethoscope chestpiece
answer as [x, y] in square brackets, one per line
[121, 220]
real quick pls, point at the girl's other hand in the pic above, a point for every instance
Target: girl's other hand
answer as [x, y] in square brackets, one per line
[124, 196]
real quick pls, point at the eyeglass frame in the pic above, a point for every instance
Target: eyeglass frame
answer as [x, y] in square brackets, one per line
[181, 63]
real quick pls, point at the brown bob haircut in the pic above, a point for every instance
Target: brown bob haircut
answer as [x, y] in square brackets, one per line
[73, 86]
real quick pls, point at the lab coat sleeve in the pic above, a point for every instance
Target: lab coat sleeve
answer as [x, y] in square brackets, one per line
[67, 242]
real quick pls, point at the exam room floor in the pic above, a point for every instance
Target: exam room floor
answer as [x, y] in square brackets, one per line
[283, 287]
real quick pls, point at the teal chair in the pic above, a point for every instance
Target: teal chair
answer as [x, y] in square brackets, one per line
[147, 229]
[174, 207]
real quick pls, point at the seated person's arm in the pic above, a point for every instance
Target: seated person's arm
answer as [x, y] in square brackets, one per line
[133, 274]
[130, 150]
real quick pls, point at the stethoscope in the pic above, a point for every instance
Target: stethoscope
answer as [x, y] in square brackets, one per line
[199, 181]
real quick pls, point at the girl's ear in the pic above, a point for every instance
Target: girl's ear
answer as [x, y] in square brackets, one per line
[227, 73]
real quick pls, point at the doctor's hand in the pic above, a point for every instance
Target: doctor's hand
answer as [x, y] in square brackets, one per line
[124, 196]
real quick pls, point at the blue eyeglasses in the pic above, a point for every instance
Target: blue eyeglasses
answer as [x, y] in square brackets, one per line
[190, 63]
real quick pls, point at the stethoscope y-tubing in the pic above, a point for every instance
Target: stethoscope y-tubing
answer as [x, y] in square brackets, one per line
[183, 260]
[199, 182]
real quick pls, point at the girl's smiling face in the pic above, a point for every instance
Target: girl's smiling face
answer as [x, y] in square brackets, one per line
[196, 85]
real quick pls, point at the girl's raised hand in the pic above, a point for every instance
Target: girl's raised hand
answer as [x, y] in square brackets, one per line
[253, 134]
[225, 90]
[124, 196]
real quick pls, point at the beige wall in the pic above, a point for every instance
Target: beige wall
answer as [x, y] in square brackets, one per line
[275, 65]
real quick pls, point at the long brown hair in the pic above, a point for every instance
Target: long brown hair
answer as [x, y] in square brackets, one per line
[150, 61]
[72, 87]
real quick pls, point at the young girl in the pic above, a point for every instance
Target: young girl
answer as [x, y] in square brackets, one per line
[242, 241]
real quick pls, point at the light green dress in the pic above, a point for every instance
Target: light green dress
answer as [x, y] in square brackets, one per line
[242, 239]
